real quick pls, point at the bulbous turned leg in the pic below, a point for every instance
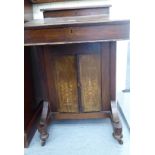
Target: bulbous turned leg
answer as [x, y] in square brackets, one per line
[43, 134]
[117, 134]
[42, 128]
[117, 126]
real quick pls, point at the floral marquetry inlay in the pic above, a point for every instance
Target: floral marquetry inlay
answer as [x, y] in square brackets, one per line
[90, 82]
[66, 84]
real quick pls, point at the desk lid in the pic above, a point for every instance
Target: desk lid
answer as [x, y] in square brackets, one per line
[71, 21]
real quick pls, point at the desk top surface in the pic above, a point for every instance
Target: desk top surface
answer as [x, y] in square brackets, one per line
[76, 20]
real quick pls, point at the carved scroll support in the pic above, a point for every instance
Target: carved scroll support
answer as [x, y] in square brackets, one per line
[42, 128]
[117, 126]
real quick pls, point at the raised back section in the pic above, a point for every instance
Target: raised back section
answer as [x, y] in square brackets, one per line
[76, 11]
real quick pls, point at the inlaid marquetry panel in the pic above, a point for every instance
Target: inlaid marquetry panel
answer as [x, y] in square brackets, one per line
[90, 81]
[66, 83]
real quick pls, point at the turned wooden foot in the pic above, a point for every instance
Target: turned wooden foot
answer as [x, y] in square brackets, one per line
[43, 134]
[117, 126]
[42, 128]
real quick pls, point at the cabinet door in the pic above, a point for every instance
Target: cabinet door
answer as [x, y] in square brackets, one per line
[90, 81]
[66, 83]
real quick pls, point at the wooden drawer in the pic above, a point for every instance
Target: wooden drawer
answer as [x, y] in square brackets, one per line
[75, 34]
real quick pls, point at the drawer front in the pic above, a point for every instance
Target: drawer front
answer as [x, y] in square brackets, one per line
[76, 34]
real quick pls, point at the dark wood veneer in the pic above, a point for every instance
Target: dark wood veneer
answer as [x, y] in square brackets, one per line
[75, 58]
[28, 13]
[32, 106]
[75, 12]
[74, 116]
[61, 33]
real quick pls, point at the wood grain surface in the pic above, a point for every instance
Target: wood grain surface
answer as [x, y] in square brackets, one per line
[75, 32]
[90, 81]
[105, 57]
[87, 115]
[75, 12]
[66, 83]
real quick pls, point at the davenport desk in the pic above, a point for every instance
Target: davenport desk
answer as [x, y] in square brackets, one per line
[75, 60]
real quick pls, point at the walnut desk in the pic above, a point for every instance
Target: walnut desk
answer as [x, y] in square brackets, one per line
[77, 61]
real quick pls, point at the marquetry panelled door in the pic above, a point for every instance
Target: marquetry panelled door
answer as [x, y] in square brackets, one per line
[74, 75]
